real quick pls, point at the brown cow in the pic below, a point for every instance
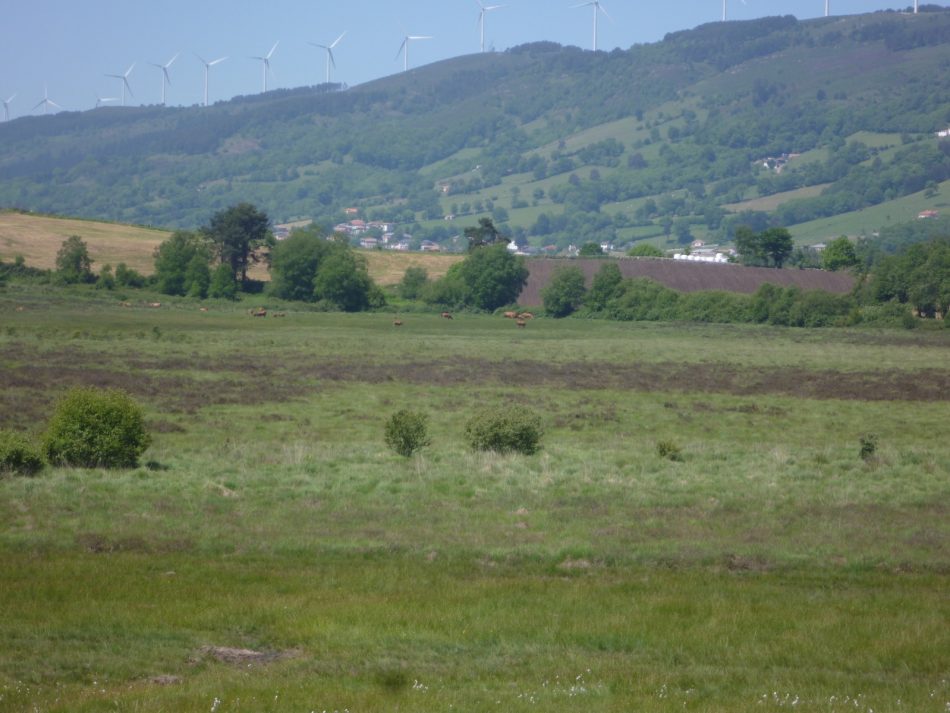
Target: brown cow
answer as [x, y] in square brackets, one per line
[446, 315]
[155, 304]
[520, 322]
[511, 315]
[397, 322]
[525, 315]
[259, 312]
[202, 309]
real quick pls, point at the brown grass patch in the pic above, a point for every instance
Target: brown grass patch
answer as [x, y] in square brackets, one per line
[387, 267]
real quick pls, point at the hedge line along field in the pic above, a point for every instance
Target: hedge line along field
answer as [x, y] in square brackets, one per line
[271, 554]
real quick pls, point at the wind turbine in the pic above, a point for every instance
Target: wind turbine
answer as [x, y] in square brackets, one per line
[266, 62]
[329, 49]
[103, 100]
[404, 48]
[827, 7]
[46, 103]
[209, 65]
[125, 81]
[597, 8]
[723, 10]
[165, 78]
[482, 10]
[6, 108]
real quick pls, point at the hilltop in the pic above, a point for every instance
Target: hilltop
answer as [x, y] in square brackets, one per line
[768, 121]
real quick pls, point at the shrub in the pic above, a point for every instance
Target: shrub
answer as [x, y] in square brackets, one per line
[868, 446]
[669, 450]
[18, 456]
[96, 428]
[513, 429]
[406, 432]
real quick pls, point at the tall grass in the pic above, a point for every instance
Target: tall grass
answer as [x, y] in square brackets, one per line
[771, 564]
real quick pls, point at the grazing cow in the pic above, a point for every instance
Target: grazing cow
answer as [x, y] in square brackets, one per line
[525, 315]
[125, 304]
[20, 308]
[446, 315]
[202, 309]
[155, 304]
[279, 314]
[259, 312]
[511, 315]
[520, 322]
[397, 322]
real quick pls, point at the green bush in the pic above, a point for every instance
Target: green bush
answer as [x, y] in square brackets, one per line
[18, 456]
[512, 429]
[669, 450]
[96, 428]
[406, 432]
[868, 446]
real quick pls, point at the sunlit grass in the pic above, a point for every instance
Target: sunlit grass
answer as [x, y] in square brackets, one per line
[769, 565]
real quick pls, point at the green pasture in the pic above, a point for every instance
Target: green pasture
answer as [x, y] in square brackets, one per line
[270, 553]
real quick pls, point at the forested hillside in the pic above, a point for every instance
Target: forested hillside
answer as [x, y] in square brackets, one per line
[558, 145]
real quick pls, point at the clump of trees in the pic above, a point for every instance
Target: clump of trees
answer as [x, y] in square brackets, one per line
[565, 293]
[73, 264]
[769, 248]
[488, 278]
[308, 267]
[918, 277]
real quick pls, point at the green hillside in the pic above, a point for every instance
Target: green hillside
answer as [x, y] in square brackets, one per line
[669, 141]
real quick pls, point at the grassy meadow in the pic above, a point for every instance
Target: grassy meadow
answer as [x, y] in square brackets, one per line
[271, 554]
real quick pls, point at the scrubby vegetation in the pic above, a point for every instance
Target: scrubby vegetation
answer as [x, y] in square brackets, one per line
[94, 428]
[510, 429]
[407, 432]
[18, 456]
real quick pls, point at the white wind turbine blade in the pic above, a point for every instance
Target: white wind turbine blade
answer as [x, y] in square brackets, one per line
[268, 55]
[337, 40]
[217, 61]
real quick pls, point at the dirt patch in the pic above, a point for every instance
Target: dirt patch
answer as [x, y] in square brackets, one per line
[165, 680]
[243, 657]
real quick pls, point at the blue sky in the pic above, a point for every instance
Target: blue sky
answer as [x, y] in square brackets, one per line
[70, 45]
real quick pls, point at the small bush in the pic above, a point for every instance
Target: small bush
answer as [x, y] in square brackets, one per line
[96, 428]
[868, 446]
[514, 429]
[669, 450]
[406, 432]
[18, 456]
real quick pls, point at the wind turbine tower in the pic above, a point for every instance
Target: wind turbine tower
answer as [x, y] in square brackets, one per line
[125, 81]
[6, 108]
[723, 10]
[482, 11]
[165, 78]
[404, 48]
[265, 62]
[598, 8]
[208, 66]
[46, 102]
[827, 8]
[329, 49]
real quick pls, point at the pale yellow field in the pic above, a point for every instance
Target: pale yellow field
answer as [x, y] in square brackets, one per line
[38, 238]
[388, 267]
[770, 203]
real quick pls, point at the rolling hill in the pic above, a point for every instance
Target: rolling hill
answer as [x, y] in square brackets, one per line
[771, 121]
